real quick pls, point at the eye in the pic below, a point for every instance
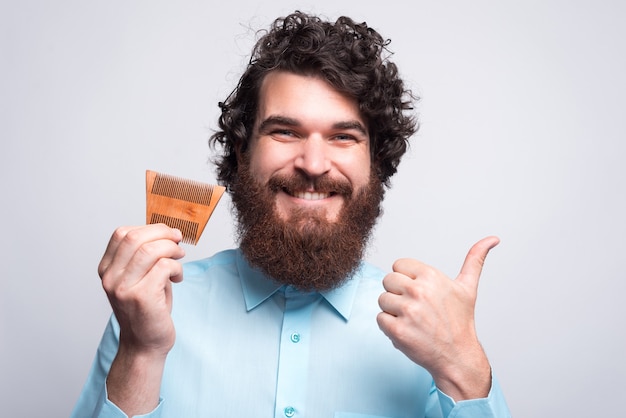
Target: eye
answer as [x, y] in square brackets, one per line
[346, 139]
[283, 134]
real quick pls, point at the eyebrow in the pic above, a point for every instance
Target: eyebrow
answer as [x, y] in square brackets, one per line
[287, 121]
[277, 120]
[351, 124]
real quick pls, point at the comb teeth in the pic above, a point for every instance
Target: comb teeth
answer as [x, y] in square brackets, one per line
[187, 190]
[180, 203]
[188, 228]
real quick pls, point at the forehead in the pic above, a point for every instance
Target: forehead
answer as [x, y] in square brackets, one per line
[304, 97]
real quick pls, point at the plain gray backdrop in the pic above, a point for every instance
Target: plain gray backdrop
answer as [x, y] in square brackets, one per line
[522, 135]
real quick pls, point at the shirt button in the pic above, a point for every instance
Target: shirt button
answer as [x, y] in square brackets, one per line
[295, 337]
[289, 411]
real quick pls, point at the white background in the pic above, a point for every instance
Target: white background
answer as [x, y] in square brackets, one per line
[522, 136]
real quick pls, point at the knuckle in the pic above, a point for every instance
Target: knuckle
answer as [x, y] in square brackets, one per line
[381, 298]
[411, 310]
[429, 271]
[146, 251]
[168, 267]
[102, 268]
[164, 264]
[380, 320]
[398, 264]
[132, 237]
[114, 291]
[107, 286]
[110, 284]
[415, 290]
[385, 283]
[124, 295]
[119, 233]
[119, 293]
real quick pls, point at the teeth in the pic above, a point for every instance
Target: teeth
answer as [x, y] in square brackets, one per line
[311, 195]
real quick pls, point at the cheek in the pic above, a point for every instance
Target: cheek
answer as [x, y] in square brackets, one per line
[265, 159]
[261, 165]
[358, 171]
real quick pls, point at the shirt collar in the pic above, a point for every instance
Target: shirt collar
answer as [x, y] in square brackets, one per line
[257, 288]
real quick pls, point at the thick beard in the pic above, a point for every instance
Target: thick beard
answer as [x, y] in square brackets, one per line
[307, 251]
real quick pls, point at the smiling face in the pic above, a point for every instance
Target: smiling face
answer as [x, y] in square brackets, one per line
[310, 146]
[305, 194]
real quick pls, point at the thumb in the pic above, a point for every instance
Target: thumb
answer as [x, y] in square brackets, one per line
[474, 261]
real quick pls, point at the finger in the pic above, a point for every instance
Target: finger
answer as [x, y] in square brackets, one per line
[112, 246]
[153, 282]
[135, 256]
[410, 267]
[147, 256]
[164, 270]
[390, 303]
[385, 322]
[151, 270]
[176, 271]
[127, 240]
[396, 282]
[475, 260]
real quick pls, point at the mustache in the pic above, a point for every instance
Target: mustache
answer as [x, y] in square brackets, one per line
[299, 182]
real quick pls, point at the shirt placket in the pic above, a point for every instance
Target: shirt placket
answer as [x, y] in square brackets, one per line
[293, 361]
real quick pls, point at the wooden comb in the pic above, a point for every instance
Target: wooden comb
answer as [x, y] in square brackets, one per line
[180, 203]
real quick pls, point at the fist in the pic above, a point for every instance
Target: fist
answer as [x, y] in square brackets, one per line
[137, 269]
[430, 318]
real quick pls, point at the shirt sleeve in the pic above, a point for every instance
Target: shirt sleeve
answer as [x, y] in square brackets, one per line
[93, 401]
[493, 406]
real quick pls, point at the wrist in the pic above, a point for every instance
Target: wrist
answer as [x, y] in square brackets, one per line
[134, 380]
[142, 354]
[467, 378]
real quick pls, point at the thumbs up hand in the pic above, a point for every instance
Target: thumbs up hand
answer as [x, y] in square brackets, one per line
[430, 318]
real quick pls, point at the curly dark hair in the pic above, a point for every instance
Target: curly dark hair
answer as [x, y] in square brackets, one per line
[351, 57]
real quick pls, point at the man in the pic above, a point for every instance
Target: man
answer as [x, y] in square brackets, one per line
[287, 325]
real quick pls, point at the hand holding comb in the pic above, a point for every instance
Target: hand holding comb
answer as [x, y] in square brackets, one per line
[180, 203]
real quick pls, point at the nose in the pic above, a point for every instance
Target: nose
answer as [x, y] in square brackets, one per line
[313, 157]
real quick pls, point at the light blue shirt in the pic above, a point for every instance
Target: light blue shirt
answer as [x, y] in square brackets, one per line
[247, 346]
